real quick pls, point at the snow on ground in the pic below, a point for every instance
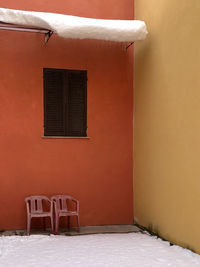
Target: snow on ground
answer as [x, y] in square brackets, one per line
[100, 250]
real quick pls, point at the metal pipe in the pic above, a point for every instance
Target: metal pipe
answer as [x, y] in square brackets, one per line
[22, 29]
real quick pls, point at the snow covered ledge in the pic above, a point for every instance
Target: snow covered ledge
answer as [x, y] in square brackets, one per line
[77, 27]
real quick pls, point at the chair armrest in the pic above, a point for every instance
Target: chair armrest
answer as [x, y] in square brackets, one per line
[54, 204]
[77, 204]
[27, 208]
[51, 206]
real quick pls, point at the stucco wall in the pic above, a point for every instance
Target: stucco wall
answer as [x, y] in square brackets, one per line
[167, 124]
[97, 171]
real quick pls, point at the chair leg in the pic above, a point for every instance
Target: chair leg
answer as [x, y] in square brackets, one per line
[68, 222]
[44, 223]
[28, 225]
[78, 223]
[56, 224]
[52, 225]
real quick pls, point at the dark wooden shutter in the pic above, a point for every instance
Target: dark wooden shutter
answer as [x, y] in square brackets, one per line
[77, 103]
[54, 121]
[65, 102]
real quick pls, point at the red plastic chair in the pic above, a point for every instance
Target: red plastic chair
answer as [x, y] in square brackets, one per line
[35, 208]
[61, 205]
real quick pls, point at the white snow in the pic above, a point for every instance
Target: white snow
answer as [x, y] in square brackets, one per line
[78, 27]
[100, 250]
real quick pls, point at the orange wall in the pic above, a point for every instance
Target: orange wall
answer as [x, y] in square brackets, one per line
[97, 171]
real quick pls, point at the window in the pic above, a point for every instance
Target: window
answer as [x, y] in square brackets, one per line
[65, 102]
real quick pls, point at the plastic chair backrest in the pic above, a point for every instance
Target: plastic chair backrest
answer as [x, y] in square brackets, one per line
[35, 203]
[61, 201]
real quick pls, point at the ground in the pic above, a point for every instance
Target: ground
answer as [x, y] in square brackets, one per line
[99, 250]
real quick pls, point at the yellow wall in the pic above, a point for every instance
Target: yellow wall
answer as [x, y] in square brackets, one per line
[167, 120]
